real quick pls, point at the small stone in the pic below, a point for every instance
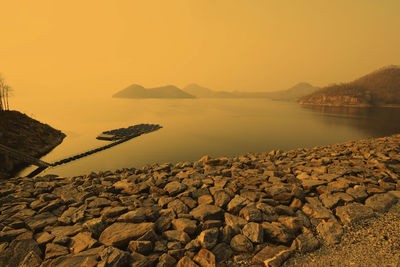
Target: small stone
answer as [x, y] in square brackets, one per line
[207, 212]
[174, 188]
[178, 206]
[208, 238]
[222, 252]
[330, 231]
[273, 255]
[234, 221]
[276, 231]
[236, 204]
[135, 216]
[142, 247]
[175, 235]
[251, 214]
[254, 232]
[240, 243]
[54, 251]
[166, 260]
[44, 237]
[306, 242]
[221, 199]
[205, 199]
[186, 225]
[358, 193]
[96, 226]
[205, 258]
[186, 262]
[82, 241]
[116, 257]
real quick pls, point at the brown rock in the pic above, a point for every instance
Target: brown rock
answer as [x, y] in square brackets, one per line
[305, 242]
[221, 198]
[236, 204]
[186, 225]
[166, 260]
[32, 259]
[273, 256]
[207, 212]
[54, 251]
[251, 214]
[234, 221]
[205, 258]
[277, 232]
[240, 243]
[186, 262]
[119, 234]
[222, 252]
[82, 241]
[353, 212]
[174, 188]
[205, 199]
[380, 202]
[208, 238]
[96, 226]
[254, 232]
[330, 231]
[116, 257]
[135, 216]
[176, 235]
[178, 206]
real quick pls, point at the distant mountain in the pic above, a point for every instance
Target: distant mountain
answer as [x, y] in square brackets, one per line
[379, 88]
[203, 92]
[293, 93]
[138, 91]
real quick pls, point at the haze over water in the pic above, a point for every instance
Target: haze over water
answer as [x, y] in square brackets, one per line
[193, 128]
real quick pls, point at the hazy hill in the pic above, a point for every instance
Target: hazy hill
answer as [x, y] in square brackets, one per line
[293, 93]
[203, 92]
[379, 88]
[138, 91]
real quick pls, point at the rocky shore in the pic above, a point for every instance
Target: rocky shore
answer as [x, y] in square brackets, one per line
[252, 210]
[26, 135]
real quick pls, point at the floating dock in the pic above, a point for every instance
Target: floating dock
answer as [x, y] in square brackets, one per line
[118, 136]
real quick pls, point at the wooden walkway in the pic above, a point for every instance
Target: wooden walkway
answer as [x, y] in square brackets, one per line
[23, 157]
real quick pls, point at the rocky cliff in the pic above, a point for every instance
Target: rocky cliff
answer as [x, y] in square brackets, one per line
[22, 133]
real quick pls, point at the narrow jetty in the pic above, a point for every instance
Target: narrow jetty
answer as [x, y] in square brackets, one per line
[118, 136]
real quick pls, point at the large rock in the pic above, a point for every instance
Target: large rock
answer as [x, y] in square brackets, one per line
[174, 188]
[353, 212]
[208, 238]
[272, 256]
[221, 198]
[186, 262]
[254, 232]
[186, 225]
[119, 234]
[380, 202]
[330, 231]
[240, 243]
[82, 241]
[207, 212]
[306, 242]
[205, 258]
[236, 204]
[176, 235]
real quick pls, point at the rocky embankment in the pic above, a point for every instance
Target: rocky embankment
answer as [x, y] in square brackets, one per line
[26, 135]
[252, 210]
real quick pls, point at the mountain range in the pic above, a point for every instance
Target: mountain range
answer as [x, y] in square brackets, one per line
[197, 91]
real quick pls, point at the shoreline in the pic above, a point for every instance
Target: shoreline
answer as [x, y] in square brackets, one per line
[256, 209]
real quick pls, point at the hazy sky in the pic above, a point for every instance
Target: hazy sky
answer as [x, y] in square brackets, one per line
[101, 46]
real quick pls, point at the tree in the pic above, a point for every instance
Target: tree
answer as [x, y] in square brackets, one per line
[4, 94]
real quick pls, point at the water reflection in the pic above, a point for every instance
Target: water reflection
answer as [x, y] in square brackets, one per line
[374, 121]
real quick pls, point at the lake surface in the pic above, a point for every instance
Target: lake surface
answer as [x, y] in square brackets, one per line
[193, 128]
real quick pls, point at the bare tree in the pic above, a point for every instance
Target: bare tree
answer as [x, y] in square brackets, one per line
[4, 94]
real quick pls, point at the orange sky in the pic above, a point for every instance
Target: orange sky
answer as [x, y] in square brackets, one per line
[101, 46]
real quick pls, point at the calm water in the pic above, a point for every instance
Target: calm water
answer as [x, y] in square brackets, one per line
[196, 127]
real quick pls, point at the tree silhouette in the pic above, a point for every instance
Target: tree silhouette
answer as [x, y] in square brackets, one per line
[4, 94]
